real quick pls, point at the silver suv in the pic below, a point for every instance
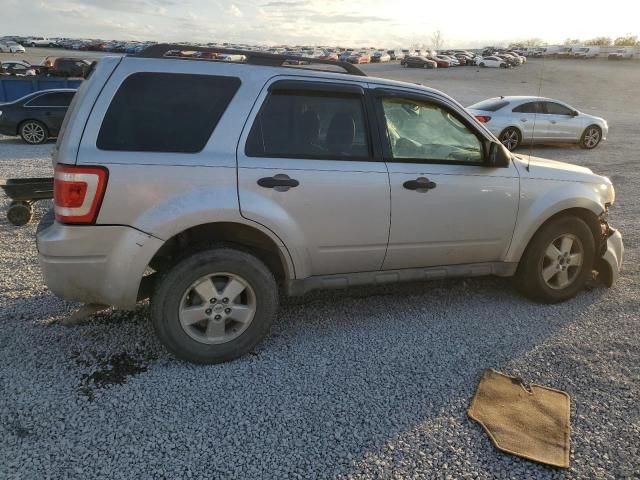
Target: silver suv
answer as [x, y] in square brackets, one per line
[212, 186]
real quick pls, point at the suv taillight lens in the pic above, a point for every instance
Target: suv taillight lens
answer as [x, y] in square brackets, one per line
[483, 118]
[78, 193]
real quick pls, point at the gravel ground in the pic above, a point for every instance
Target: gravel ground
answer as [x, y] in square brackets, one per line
[362, 383]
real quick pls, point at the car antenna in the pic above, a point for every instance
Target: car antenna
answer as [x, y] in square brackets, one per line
[535, 114]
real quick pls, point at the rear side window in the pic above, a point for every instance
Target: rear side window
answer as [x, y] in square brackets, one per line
[165, 112]
[530, 107]
[490, 105]
[306, 125]
[58, 99]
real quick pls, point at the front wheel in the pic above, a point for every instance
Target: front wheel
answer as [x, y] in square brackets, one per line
[482, 64]
[558, 262]
[214, 305]
[510, 138]
[591, 137]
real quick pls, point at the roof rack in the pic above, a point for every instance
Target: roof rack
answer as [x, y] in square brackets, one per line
[251, 57]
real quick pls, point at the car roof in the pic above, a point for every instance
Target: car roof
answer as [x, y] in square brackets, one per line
[40, 92]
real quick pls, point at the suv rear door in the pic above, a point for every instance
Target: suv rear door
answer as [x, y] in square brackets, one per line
[310, 169]
[448, 207]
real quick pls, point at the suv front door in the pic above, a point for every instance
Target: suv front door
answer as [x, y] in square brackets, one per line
[308, 170]
[448, 206]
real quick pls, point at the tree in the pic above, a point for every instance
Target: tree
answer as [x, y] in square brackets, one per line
[627, 41]
[437, 40]
[602, 41]
[572, 41]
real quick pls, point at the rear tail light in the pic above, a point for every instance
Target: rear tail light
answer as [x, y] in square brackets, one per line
[483, 118]
[78, 193]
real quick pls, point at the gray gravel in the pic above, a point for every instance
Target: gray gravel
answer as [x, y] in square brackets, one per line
[363, 383]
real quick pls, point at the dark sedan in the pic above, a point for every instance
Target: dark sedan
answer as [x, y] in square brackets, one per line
[37, 116]
[418, 62]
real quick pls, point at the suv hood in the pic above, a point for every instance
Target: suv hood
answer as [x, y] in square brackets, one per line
[543, 169]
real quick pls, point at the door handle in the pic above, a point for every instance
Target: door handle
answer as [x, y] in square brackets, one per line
[553, 121]
[523, 119]
[420, 184]
[280, 182]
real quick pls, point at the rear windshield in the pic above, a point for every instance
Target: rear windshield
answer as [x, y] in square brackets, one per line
[165, 112]
[490, 105]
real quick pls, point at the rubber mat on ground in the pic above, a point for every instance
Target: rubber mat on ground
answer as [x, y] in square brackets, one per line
[530, 421]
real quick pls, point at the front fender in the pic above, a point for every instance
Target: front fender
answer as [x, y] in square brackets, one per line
[542, 199]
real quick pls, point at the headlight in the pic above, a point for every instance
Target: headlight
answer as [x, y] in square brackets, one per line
[0, 113]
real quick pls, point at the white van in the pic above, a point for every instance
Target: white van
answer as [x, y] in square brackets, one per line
[586, 52]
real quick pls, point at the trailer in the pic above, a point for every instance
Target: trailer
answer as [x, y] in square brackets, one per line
[24, 192]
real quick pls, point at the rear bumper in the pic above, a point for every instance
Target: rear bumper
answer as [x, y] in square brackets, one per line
[95, 264]
[612, 257]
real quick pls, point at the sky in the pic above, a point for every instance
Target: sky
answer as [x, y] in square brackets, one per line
[380, 23]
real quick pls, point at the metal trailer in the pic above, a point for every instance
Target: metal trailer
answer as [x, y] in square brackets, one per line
[24, 192]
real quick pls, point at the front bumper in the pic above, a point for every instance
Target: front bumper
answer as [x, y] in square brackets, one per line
[610, 263]
[95, 264]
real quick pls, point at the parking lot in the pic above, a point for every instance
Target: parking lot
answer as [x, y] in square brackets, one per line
[363, 383]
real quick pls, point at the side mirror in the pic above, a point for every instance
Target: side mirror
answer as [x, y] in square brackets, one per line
[575, 113]
[499, 156]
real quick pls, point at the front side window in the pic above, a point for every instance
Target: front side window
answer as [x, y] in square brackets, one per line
[557, 109]
[427, 131]
[307, 125]
[165, 112]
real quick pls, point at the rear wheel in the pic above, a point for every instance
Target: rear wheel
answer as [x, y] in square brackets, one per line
[510, 138]
[558, 261]
[214, 305]
[33, 132]
[591, 137]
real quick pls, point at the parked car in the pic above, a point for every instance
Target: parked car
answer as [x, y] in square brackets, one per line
[41, 42]
[395, 54]
[35, 117]
[518, 120]
[66, 66]
[379, 57]
[418, 62]
[622, 53]
[453, 62]
[586, 52]
[360, 57]
[508, 59]
[17, 67]
[492, 62]
[214, 186]
[440, 62]
[9, 46]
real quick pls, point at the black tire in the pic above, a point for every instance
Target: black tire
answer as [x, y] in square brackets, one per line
[591, 134]
[529, 277]
[35, 125]
[19, 213]
[482, 64]
[511, 138]
[174, 284]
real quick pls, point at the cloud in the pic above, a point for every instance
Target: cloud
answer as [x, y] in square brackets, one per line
[235, 11]
[285, 4]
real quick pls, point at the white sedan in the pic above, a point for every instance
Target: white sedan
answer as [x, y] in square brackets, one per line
[10, 46]
[526, 120]
[492, 62]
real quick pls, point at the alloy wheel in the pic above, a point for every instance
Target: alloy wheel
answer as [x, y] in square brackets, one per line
[33, 132]
[592, 137]
[562, 261]
[509, 138]
[217, 308]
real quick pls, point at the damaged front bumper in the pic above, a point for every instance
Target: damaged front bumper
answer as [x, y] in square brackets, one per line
[611, 250]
